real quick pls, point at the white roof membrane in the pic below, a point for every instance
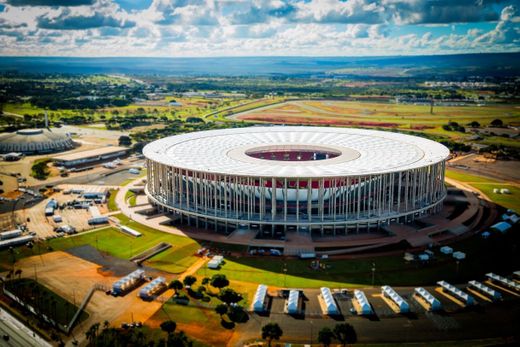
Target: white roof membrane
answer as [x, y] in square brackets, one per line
[362, 151]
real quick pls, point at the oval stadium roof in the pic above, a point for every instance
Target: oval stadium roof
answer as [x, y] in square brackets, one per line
[362, 151]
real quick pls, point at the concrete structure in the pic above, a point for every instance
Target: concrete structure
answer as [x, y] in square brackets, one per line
[314, 178]
[98, 155]
[130, 231]
[35, 141]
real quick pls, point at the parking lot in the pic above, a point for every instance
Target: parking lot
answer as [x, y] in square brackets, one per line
[44, 226]
[453, 322]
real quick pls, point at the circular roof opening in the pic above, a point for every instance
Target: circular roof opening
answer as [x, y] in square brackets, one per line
[293, 153]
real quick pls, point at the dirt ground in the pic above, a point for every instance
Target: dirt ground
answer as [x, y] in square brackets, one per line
[507, 170]
[72, 277]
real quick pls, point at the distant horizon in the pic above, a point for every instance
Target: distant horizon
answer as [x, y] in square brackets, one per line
[255, 56]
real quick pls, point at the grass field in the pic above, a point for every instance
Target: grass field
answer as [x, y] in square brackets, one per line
[130, 198]
[389, 115]
[391, 270]
[115, 243]
[486, 185]
[111, 203]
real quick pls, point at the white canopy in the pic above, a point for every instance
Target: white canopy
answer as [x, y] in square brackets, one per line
[328, 299]
[485, 289]
[446, 250]
[293, 302]
[501, 226]
[363, 302]
[259, 299]
[392, 294]
[468, 299]
[430, 299]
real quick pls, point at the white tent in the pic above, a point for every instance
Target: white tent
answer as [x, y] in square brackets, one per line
[293, 302]
[364, 305]
[328, 299]
[259, 299]
[504, 281]
[485, 290]
[215, 262]
[501, 226]
[389, 292]
[435, 304]
[459, 255]
[446, 250]
[468, 299]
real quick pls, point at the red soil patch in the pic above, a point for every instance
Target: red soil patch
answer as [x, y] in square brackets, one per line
[315, 121]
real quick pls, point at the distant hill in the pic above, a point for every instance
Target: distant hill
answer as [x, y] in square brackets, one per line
[489, 64]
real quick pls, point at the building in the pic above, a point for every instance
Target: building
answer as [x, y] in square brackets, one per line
[35, 141]
[337, 180]
[93, 156]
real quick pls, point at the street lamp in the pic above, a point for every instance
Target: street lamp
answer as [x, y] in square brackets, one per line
[373, 273]
[284, 274]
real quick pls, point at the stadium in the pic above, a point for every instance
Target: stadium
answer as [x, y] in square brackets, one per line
[35, 141]
[316, 179]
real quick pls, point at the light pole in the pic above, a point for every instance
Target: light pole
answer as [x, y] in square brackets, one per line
[373, 273]
[284, 275]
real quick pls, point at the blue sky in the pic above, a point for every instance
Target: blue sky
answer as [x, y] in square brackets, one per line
[170, 28]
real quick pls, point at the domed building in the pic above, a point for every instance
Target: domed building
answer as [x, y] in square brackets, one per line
[35, 141]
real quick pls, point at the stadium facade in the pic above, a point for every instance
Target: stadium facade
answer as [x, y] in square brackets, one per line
[308, 178]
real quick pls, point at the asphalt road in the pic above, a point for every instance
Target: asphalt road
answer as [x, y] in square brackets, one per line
[19, 334]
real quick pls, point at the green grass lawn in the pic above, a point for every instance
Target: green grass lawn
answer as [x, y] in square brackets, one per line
[118, 244]
[497, 254]
[486, 185]
[130, 198]
[44, 300]
[111, 203]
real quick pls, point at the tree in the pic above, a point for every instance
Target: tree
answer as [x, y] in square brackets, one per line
[205, 282]
[474, 124]
[325, 336]
[168, 326]
[176, 285]
[189, 280]
[497, 123]
[219, 281]
[91, 333]
[125, 140]
[270, 332]
[221, 309]
[229, 296]
[345, 333]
